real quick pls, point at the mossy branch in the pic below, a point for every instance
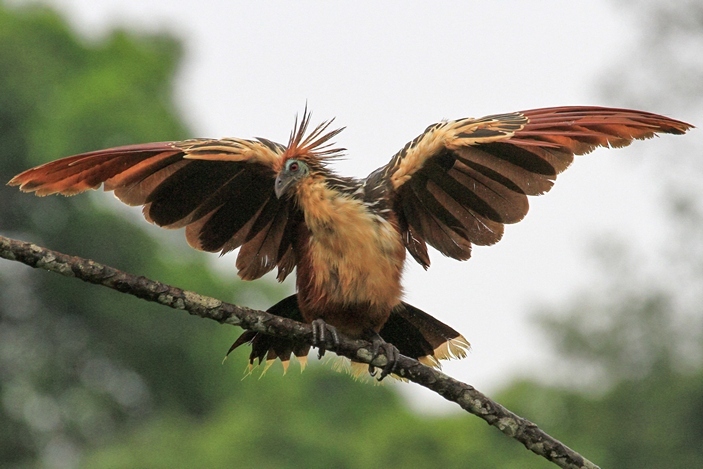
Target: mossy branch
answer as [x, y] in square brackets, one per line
[451, 389]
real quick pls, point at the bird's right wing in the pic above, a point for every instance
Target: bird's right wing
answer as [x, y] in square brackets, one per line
[221, 191]
[461, 181]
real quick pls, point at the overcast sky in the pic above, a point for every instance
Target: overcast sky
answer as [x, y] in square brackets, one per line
[388, 69]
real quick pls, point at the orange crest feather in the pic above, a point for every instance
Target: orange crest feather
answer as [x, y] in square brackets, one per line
[314, 147]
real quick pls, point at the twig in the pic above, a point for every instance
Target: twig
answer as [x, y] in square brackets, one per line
[463, 394]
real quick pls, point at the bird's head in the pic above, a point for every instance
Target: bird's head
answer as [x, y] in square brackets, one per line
[294, 170]
[306, 154]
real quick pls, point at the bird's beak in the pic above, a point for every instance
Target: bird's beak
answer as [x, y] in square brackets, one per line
[283, 182]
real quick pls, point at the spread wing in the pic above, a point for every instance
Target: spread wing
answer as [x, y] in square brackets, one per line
[221, 191]
[461, 181]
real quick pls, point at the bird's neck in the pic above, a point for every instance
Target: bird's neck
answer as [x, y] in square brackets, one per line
[323, 207]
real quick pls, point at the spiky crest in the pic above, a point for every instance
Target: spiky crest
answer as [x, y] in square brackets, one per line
[315, 147]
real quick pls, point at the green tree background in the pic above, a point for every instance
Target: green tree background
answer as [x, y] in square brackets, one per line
[92, 378]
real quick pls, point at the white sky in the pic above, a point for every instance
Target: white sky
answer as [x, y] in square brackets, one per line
[388, 69]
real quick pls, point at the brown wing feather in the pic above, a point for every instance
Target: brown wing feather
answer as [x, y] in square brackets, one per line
[459, 182]
[79, 173]
[220, 190]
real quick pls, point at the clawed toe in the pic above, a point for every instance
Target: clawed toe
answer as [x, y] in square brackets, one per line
[378, 346]
[320, 331]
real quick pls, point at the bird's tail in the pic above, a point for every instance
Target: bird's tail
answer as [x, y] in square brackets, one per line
[415, 333]
[267, 347]
[419, 335]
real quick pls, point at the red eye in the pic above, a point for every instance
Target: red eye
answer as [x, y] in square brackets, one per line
[293, 166]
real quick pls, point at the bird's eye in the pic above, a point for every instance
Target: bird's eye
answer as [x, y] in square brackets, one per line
[294, 166]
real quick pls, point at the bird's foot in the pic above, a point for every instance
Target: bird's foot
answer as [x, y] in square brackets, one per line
[320, 331]
[391, 352]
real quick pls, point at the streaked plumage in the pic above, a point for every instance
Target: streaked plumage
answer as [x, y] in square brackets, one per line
[455, 185]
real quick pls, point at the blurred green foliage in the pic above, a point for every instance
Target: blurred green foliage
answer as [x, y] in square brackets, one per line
[93, 378]
[80, 364]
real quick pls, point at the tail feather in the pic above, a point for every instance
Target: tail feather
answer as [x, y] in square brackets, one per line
[421, 336]
[266, 347]
[415, 333]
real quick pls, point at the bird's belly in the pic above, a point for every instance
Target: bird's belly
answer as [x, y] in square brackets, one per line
[354, 273]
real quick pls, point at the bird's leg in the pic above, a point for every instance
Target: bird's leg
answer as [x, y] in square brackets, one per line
[391, 352]
[320, 329]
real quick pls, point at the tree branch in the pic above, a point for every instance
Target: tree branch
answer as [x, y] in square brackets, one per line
[463, 394]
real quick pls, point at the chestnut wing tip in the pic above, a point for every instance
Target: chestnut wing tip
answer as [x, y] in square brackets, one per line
[40, 180]
[28, 181]
[658, 122]
[17, 181]
[681, 128]
[668, 125]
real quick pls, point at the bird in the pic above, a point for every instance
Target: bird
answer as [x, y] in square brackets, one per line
[454, 186]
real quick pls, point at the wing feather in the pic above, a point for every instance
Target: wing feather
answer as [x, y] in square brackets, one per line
[486, 196]
[429, 214]
[171, 204]
[471, 224]
[258, 255]
[75, 174]
[134, 187]
[460, 181]
[221, 191]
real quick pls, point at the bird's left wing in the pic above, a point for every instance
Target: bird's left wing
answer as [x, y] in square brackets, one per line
[460, 181]
[221, 191]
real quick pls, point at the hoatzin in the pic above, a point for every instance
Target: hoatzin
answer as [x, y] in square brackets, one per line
[453, 186]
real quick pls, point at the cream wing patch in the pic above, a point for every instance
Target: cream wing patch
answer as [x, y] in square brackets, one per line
[452, 135]
[233, 149]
